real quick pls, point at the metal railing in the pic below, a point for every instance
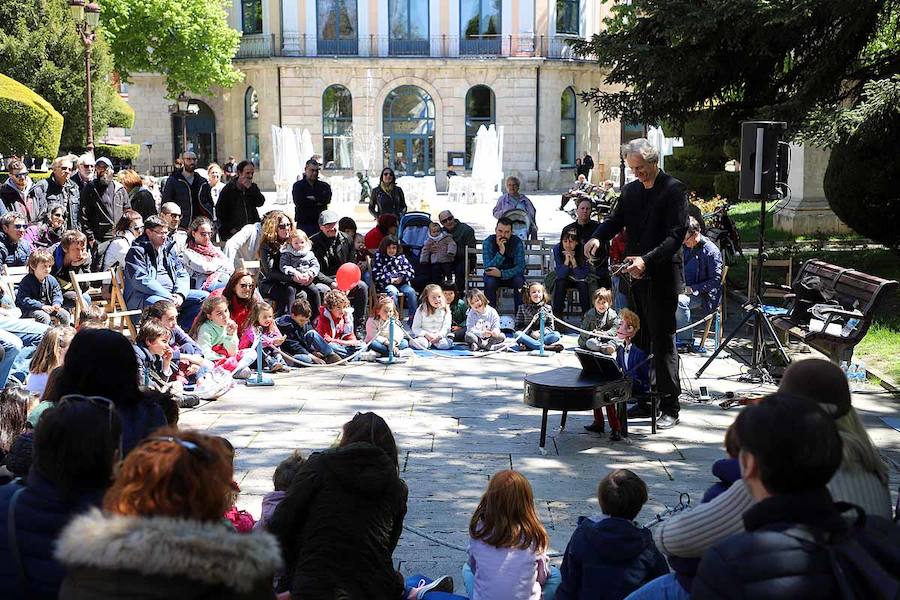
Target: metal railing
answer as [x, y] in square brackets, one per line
[440, 46]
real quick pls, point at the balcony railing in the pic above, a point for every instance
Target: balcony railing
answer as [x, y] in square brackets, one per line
[441, 46]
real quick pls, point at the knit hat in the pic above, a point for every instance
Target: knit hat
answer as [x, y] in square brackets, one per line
[18, 461]
[818, 380]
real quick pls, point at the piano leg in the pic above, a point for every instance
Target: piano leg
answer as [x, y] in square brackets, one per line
[623, 418]
[562, 422]
[543, 433]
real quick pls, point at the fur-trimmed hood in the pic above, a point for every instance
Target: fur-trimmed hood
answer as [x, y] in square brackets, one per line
[209, 553]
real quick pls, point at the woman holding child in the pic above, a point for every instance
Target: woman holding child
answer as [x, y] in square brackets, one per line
[207, 266]
[274, 284]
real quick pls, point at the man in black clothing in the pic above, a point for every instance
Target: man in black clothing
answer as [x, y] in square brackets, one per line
[464, 237]
[792, 546]
[311, 197]
[190, 191]
[334, 248]
[654, 209]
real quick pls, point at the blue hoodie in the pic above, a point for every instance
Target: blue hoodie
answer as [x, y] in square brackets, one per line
[607, 559]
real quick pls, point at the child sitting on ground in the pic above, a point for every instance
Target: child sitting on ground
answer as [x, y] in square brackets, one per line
[50, 353]
[92, 317]
[298, 332]
[216, 335]
[298, 262]
[431, 325]
[482, 323]
[379, 325]
[633, 362]
[40, 296]
[535, 301]
[281, 480]
[438, 254]
[608, 556]
[262, 321]
[335, 325]
[154, 355]
[508, 544]
[458, 311]
[601, 319]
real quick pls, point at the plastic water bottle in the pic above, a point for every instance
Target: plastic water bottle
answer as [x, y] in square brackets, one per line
[845, 369]
[861, 372]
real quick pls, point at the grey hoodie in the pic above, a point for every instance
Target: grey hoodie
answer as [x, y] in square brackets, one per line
[298, 262]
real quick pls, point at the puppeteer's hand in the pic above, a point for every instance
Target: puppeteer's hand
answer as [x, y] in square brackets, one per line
[636, 267]
[591, 246]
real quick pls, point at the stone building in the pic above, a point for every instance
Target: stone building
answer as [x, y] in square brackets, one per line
[404, 83]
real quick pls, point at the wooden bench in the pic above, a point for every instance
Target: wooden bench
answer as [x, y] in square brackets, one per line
[859, 295]
[538, 261]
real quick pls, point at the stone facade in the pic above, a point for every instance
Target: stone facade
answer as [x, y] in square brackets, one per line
[527, 85]
[807, 211]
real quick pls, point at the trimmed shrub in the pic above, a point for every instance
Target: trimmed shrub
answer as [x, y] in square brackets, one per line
[703, 184]
[868, 202]
[123, 152]
[31, 126]
[727, 185]
[122, 113]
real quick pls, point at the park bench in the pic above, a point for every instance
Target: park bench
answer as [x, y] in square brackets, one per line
[858, 296]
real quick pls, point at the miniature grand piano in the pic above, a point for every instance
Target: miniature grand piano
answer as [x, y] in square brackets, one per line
[598, 383]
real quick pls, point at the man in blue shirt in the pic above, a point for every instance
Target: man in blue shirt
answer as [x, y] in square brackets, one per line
[702, 279]
[504, 263]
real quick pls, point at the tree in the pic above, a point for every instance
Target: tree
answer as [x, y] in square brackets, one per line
[739, 59]
[41, 50]
[187, 41]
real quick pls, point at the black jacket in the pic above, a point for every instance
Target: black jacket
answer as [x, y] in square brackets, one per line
[195, 200]
[98, 218]
[607, 560]
[143, 202]
[237, 207]
[270, 274]
[656, 220]
[383, 203]
[295, 342]
[339, 525]
[777, 556]
[309, 202]
[332, 253]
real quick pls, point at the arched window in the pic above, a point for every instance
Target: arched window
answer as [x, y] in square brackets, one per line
[567, 128]
[337, 128]
[200, 131]
[251, 16]
[336, 22]
[251, 126]
[567, 16]
[408, 22]
[408, 120]
[480, 110]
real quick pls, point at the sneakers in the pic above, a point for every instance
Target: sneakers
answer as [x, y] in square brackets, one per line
[368, 356]
[189, 401]
[244, 373]
[276, 367]
[443, 583]
[557, 347]
[667, 421]
[496, 347]
[406, 352]
[615, 436]
[332, 358]
[473, 347]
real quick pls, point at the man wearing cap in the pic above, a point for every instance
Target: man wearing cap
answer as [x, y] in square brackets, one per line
[190, 191]
[154, 272]
[334, 248]
[102, 203]
[311, 197]
[464, 236]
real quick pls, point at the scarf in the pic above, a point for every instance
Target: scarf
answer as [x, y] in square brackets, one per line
[387, 189]
[209, 251]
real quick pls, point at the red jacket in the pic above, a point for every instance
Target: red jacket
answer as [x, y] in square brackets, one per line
[335, 330]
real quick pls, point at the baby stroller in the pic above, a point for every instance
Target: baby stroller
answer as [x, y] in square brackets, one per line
[412, 233]
[522, 226]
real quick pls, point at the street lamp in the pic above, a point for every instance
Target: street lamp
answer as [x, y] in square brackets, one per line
[86, 17]
[184, 108]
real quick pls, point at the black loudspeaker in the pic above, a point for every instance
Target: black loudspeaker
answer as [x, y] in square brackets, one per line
[759, 158]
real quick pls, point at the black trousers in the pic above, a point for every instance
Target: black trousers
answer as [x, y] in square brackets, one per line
[655, 303]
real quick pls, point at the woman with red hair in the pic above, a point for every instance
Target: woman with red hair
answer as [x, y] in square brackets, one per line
[162, 534]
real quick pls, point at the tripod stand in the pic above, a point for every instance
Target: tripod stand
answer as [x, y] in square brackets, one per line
[758, 363]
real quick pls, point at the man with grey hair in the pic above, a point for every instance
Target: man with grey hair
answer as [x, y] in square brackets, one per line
[85, 166]
[654, 209]
[513, 200]
[61, 188]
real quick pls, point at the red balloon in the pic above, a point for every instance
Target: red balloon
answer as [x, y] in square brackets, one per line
[348, 275]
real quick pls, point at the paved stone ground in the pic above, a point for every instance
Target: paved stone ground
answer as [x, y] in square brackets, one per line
[459, 420]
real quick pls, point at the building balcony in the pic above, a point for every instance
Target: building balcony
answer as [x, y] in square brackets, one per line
[443, 46]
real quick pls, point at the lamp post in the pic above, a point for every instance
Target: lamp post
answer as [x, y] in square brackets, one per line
[184, 108]
[86, 17]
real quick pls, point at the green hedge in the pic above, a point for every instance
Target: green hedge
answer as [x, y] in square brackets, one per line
[122, 113]
[703, 184]
[727, 185]
[31, 126]
[122, 152]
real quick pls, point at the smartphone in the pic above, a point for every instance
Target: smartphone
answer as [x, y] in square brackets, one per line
[704, 394]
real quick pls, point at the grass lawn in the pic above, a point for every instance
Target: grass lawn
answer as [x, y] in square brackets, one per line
[881, 346]
[746, 218]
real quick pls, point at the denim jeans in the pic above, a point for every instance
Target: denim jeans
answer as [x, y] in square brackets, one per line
[189, 309]
[16, 334]
[687, 306]
[492, 284]
[549, 586]
[550, 337]
[412, 582]
[315, 339]
[620, 300]
[409, 295]
[661, 588]
[381, 348]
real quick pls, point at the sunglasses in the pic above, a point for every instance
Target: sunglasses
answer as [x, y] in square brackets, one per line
[21, 175]
[284, 226]
[447, 220]
[65, 168]
[19, 226]
[137, 228]
[194, 449]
